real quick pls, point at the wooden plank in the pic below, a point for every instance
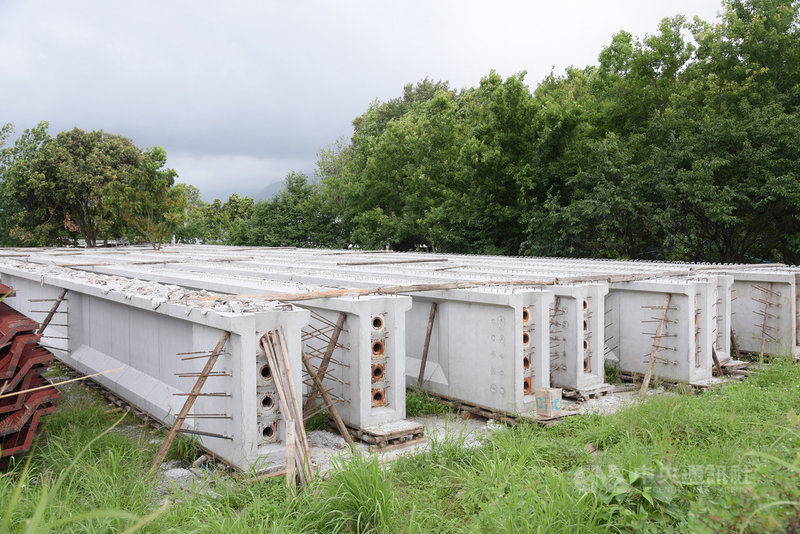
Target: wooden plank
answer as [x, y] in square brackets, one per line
[716, 362]
[422, 364]
[659, 332]
[288, 420]
[290, 444]
[105, 264]
[399, 445]
[391, 262]
[295, 404]
[176, 426]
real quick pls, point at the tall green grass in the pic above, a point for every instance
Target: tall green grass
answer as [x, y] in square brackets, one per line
[635, 470]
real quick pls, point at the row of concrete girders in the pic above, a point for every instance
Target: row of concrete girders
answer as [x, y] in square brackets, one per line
[353, 382]
[505, 309]
[577, 337]
[465, 312]
[702, 364]
[571, 366]
[761, 288]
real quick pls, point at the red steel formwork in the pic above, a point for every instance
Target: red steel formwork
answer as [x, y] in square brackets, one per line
[25, 395]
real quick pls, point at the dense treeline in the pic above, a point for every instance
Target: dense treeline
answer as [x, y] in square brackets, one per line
[684, 144]
[680, 145]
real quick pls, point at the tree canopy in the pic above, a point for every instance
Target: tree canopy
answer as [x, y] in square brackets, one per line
[93, 184]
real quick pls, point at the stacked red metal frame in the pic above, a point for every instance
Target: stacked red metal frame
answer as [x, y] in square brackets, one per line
[25, 394]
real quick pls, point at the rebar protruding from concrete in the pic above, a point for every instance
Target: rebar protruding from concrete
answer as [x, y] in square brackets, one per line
[326, 358]
[656, 339]
[176, 426]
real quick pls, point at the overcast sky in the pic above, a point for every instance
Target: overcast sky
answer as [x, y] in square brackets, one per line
[240, 93]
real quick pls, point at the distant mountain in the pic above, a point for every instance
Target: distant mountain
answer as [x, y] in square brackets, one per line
[270, 191]
[266, 193]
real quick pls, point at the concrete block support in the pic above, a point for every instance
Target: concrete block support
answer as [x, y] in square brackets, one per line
[106, 329]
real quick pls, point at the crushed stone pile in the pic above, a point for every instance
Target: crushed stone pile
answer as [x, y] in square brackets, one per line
[157, 292]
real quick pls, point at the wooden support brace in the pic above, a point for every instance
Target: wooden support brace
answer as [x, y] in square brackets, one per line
[329, 403]
[424, 362]
[716, 362]
[201, 380]
[52, 311]
[326, 358]
[298, 414]
[298, 455]
[289, 424]
[654, 352]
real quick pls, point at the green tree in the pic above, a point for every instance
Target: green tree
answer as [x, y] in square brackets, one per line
[297, 216]
[65, 181]
[149, 202]
[28, 219]
[194, 226]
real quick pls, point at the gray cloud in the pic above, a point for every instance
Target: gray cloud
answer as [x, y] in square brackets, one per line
[241, 92]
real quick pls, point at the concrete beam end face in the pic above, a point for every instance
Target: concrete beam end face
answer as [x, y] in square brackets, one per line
[485, 348]
[366, 371]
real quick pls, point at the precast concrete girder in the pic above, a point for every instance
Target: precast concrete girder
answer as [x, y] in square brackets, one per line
[159, 347]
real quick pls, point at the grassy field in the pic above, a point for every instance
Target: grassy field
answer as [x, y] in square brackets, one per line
[724, 461]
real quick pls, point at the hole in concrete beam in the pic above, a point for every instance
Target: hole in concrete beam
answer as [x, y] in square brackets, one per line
[266, 372]
[377, 372]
